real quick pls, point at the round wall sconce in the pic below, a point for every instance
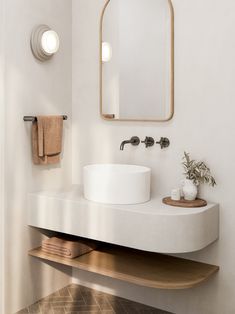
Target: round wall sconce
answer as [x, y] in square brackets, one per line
[106, 52]
[44, 42]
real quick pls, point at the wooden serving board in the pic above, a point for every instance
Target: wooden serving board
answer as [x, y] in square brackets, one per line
[184, 203]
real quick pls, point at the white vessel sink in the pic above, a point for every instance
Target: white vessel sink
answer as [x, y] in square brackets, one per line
[116, 183]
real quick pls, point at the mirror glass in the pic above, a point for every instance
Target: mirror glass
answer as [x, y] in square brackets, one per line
[136, 45]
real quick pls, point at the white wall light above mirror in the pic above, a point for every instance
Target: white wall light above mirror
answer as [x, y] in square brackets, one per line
[45, 42]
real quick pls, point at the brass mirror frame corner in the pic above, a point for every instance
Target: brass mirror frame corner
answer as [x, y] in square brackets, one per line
[172, 79]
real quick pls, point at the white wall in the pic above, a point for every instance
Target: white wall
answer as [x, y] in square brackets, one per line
[203, 125]
[32, 88]
[2, 153]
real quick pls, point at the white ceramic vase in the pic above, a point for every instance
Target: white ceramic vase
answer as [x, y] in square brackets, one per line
[190, 190]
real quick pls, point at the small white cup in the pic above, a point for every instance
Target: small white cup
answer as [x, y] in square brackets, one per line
[176, 194]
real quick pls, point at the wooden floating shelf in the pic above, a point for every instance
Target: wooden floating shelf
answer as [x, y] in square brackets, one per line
[142, 268]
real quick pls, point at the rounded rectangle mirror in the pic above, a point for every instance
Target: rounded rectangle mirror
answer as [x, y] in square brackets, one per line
[137, 60]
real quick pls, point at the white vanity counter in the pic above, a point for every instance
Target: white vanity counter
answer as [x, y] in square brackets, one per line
[152, 226]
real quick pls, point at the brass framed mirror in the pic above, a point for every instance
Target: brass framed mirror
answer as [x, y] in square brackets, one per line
[137, 60]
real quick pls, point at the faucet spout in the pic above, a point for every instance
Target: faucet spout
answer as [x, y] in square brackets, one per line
[133, 141]
[123, 144]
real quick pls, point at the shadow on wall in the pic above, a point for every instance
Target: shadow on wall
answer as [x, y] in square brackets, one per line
[37, 90]
[172, 299]
[44, 274]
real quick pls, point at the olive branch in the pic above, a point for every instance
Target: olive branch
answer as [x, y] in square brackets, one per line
[198, 172]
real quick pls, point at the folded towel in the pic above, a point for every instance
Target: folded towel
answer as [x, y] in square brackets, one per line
[47, 139]
[66, 248]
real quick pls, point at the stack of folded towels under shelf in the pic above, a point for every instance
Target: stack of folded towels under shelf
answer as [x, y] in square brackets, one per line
[66, 248]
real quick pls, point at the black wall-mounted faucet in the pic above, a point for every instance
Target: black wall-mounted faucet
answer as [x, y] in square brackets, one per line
[135, 141]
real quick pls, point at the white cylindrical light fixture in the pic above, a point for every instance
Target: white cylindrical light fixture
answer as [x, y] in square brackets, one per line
[44, 42]
[50, 42]
[106, 52]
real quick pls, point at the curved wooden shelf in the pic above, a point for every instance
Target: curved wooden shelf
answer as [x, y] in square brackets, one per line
[142, 268]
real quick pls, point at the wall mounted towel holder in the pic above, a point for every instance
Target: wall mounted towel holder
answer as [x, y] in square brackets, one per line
[33, 119]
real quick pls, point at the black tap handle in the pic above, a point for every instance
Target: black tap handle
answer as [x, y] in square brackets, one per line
[149, 141]
[164, 142]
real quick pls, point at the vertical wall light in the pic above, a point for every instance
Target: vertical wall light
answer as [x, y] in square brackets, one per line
[106, 52]
[44, 42]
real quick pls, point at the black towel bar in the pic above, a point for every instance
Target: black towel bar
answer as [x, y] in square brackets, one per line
[32, 118]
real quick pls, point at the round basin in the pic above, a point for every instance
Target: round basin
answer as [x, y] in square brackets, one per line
[117, 183]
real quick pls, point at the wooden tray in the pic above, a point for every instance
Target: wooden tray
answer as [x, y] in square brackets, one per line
[183, 203]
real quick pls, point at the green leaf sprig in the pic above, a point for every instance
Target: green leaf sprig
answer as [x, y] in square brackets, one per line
[198, 172]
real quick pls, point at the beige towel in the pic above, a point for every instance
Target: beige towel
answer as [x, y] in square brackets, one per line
[47, 139]
[66, 248]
